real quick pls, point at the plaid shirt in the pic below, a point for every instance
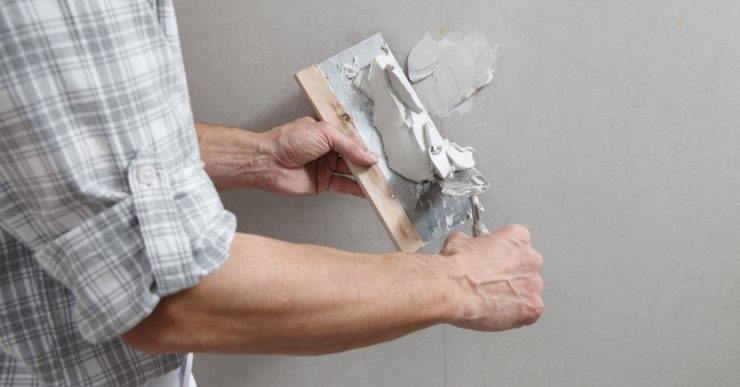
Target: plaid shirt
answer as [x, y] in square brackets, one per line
[104, 203]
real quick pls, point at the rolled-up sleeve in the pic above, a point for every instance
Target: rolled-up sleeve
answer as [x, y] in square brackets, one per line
[121, 261]
[100, 175]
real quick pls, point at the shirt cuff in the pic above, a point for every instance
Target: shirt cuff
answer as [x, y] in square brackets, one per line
[159, 240]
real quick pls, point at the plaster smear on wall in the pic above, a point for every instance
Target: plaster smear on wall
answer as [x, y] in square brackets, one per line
[445, 73]
[413, 145]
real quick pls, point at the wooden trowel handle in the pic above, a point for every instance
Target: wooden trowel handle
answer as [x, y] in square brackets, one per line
[375, 186]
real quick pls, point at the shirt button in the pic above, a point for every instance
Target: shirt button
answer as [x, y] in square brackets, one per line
[146, 175]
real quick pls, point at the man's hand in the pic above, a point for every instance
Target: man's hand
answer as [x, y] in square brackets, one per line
[298, 158]
[307, 159]
[499, 278]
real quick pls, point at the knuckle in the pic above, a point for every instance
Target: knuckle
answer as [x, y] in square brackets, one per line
[527, 260]
[538, 284]
[509, 228]
[535, 311]
[534, 259]
[355, 144]
[522, 232]
[538, 257]
[518, 232]
[538, 310]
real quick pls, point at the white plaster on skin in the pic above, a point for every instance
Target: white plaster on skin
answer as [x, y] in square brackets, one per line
[412, 143]
[445, 74]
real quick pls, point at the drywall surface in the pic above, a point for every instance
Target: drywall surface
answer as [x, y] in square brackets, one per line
[612, 130]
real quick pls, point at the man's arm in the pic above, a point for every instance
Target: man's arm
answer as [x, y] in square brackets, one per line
[278, 297]
[299, 158]
[283, 298]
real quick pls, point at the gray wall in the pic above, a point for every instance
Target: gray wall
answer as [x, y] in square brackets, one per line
[612, 131]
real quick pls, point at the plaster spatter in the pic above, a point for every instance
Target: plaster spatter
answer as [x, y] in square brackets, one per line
[349, 70]
[445, 73]
[413, 145]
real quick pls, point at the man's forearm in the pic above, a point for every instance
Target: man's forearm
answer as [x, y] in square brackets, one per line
[298, 158]
[234, 158]
[277, 297]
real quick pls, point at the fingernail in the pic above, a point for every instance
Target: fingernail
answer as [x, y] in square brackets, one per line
[371, 155]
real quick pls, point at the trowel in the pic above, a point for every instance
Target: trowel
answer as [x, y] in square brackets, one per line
[413, 214]
[468, 183]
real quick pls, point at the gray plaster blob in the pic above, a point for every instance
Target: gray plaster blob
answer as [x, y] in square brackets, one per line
[446, 74]
[414, 147]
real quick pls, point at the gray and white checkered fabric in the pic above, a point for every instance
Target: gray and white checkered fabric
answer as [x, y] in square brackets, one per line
[104, 203]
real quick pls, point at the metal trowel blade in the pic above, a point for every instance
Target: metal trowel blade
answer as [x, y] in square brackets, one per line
[467, 182]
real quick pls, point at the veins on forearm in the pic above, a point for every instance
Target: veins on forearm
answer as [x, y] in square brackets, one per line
[234, 158]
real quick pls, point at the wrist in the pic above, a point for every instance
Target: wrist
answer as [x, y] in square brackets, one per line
[447, 290]
[236, 158]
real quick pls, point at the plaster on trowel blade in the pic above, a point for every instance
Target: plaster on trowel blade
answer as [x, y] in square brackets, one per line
[468, 182]
[432, 213]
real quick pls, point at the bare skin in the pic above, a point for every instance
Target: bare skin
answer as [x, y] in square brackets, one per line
[282, 298]
[298, 158]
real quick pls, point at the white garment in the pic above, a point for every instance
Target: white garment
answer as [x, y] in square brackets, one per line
[181, 377]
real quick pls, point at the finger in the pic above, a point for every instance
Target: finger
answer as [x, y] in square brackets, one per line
[534, 258]
[345, 185]
[454, 241]
[306, 120]
[325, 167]
[515, 232]
[348, 146]
[342, 167]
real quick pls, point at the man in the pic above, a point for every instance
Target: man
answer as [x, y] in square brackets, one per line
[116, 255]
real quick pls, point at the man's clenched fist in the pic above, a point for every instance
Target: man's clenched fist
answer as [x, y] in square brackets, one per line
[497, 277]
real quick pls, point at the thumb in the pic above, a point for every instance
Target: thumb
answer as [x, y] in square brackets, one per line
[453, 242]
[351, 148]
